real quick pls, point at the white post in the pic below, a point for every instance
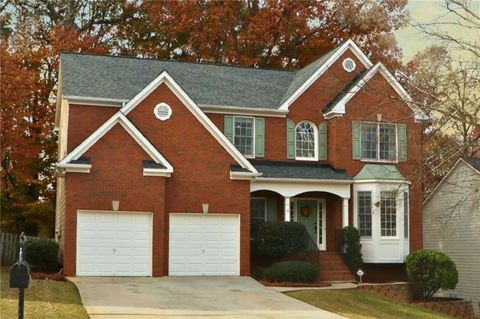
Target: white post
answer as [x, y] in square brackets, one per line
[345, 212]
[287, 209]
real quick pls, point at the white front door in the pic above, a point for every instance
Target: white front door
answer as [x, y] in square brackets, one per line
[204, 244]
[112, 243]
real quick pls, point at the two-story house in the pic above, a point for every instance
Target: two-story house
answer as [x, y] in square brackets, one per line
[164, 165]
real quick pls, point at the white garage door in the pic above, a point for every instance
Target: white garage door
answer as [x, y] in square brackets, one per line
[114, 244]
[204, 245]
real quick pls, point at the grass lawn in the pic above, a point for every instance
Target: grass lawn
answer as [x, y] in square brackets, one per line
[359, 304]
[43, 299]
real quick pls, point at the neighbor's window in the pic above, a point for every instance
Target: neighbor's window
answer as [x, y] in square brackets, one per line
[306, 141]
[365, 213]
[378, 141]
[388, 214]
[258, 209]
[243, 135]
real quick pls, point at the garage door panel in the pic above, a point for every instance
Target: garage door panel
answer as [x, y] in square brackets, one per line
[113, 244]
[205, 245]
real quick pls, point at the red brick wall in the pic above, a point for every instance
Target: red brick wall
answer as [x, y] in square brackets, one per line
[84, 120]
[201, 175]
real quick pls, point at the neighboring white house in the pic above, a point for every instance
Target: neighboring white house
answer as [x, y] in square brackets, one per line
[451, 224]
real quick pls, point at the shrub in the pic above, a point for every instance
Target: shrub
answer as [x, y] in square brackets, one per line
[352, 254]
[292, 271]
[278, 239]
[42, 255]
[430, 270]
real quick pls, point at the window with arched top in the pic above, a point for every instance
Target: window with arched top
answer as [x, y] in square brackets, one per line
[306, 141]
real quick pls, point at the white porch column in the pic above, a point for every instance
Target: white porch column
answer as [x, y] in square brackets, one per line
[345, 212]
[287, 209]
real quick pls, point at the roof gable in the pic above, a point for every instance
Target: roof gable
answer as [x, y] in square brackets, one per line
[71, 163]
[337, 106]
[165, 78]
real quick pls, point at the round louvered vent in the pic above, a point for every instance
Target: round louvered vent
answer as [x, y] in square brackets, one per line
[162, 111]
[349, 65]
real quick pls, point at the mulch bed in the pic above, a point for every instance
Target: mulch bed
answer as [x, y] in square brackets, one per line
[294, 284]
[43, 275]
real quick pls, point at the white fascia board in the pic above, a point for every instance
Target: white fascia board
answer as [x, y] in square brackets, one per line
[131, 129]
[164, 77]
[339, 107]
[75, 168]
[382, 181]
[244, 175]
[235, 110]
[95, 101]
[349, 44]
[304, 180]
[156, 172]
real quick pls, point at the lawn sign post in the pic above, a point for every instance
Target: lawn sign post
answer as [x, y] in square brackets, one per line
[20, 276]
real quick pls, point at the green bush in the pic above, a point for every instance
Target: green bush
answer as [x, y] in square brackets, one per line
[430, 270]
[42, 255]
[292, 271]
[352, 254]
[278, 239]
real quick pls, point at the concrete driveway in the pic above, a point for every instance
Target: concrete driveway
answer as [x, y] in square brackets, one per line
[186, 297]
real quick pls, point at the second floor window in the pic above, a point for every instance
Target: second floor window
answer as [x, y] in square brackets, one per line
[243, 135]
[306, 141]
[378, 141]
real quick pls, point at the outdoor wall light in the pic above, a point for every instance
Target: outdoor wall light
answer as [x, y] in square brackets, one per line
[115, 204]
[379, 117]
[205, 208]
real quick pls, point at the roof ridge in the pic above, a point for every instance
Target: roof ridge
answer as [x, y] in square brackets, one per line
[177, 61]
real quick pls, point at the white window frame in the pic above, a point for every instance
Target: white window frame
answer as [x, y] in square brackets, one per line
[265, 207]
[315, 132]
[378, 160]
[253, 134]
[357, 199]
[396, 201]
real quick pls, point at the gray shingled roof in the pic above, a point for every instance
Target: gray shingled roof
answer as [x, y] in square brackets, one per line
[475, 162]
[275, 169]
[95, 76]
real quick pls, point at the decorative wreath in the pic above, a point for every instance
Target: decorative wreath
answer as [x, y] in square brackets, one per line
[306, 211]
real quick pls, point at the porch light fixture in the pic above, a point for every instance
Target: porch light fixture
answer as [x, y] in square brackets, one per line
[379, 117]
[115, 204]
[205, 208]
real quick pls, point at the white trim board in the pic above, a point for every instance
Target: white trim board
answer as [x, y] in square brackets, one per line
[133, 131]
[164, 77]
[349, 44]
[237, 110]
[339, 108]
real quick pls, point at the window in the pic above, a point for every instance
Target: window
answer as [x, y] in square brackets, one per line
[243, 135]
[258, 209]
[388, 214]
[365, 213]
[306, 141]
[378, 141]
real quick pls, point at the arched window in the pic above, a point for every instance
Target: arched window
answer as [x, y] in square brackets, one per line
[306, 141]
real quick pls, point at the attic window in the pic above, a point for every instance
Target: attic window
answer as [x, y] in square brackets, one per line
[349, 65]
[162, 111]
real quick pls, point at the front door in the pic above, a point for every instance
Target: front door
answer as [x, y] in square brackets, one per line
[311, 213]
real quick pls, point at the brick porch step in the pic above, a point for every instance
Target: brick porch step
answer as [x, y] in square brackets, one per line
[332, 267]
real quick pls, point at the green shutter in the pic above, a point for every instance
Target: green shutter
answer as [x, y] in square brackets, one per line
[271, 209]
[356, 141]
[322, 141]
[290, 139]
[259, 137]
[228, 127]
[402, 142]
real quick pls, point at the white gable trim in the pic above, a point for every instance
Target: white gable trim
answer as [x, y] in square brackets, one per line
[339, 52]
[164, 77]
[339, 107]
[454, 167]
[117, 118]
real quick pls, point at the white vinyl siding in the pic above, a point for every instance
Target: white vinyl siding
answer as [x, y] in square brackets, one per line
[451, 224]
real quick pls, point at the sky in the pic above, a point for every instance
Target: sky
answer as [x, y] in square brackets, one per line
[424, 11]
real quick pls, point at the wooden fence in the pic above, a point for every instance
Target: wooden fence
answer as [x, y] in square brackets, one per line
[9, 244]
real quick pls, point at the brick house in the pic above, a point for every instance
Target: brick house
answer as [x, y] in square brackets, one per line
[164, 165]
